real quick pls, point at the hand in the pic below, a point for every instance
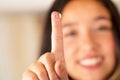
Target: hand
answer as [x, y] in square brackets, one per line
[51, 65]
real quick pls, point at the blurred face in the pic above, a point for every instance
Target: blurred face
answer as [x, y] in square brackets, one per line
[88, 40]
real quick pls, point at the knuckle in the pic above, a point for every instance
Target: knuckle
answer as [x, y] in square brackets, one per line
[33, 78]
[35, 64]
[46, 57]
[38, 68]
[41, 72]
[29, 75]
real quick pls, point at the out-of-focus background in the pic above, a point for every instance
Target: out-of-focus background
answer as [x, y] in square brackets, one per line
[21, 27]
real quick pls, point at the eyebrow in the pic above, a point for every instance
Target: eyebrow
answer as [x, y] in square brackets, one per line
[102, 18]
[69, 24]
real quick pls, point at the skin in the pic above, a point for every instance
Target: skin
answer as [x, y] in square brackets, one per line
[51, 65]
[85, 32]
[85, 38]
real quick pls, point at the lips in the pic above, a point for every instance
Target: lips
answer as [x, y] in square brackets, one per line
[91, 62]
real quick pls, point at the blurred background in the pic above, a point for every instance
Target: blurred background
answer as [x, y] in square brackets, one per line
[21, 27]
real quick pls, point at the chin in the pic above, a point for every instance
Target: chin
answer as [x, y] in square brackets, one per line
[89, 76]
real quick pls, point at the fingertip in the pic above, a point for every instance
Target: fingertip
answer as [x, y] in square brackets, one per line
[60, 15]
[56, 15]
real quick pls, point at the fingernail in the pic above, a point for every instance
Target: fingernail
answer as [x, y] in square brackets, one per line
[60, 15]
[56, 15]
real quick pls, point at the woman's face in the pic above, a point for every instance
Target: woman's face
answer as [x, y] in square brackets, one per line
[89, 47]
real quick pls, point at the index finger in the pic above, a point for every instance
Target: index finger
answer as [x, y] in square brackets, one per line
[57, 34]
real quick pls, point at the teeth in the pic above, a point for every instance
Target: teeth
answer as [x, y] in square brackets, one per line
[91, 61]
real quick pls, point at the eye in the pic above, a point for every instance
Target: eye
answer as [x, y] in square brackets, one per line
[71, 33]
[103, 28]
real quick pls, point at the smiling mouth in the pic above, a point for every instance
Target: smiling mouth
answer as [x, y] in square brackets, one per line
[91, 62]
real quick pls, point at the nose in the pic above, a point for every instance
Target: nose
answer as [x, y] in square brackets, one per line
[87, 43]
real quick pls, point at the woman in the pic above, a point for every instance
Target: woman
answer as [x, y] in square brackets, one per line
[89, 30]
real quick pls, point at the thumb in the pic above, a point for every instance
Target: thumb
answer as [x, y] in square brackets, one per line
[60, 69]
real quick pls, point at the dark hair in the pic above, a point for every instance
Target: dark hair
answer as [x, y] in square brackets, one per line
[58, 5]
[116, 24]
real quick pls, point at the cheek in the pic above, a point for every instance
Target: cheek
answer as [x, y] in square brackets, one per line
[70, 53]
[107, 49]
[108, 45]
[70, 50]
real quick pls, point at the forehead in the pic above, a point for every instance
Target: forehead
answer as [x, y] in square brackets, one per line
[84, 10]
